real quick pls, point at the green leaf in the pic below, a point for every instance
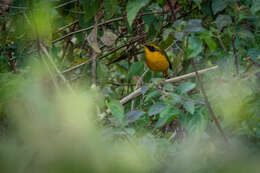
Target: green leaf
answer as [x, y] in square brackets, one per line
[208, 39]
[189, 106]
[136, 69]
[194, 25]
[116, 109]
[194, 46]
[245, 34]
[186, 87]
[255, 7]
[133, 7]
[168, 87]
[90, 7]
[152, 94]
[110, 7]
[156, 108]
[144, 89]
[174, 98]
[168, 114]
[102, 72]
[218, 5]
[198, 2]
[254, 53]
[222, 21]
[133, 115]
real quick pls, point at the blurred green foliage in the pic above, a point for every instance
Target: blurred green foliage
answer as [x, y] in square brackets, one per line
[168, 126]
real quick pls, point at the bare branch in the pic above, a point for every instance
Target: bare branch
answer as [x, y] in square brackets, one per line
[66, 3]
[207, 101]
[137, 92]
[235, 54]
[56, 68]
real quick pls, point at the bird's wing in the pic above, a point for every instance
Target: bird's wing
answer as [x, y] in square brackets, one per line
[165, 54]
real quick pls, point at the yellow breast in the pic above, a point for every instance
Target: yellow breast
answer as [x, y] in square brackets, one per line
[156, 61]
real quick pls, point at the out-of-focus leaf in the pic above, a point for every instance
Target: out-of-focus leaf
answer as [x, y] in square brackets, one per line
[218, 5]
[194, 25]
[178, 35]
[186, 87]
[92, 40]
[108, 38]
[136, 68]
[222, 21]
[133, 8]
[255, 6]
[195, 46]
[254, 53]
[169, 113]
[102, 72]
[245, 34]
[166, 33]
[161, 2]
[156, 108]
[208, 39]
[90, 7]
[168, 87]
[166, 43]
[144, 89]
[149, 19]
[189, 106]
[198, 2]
[116, 109]
[133, 115]
[110, 7]
[152, 94]
[174, 98]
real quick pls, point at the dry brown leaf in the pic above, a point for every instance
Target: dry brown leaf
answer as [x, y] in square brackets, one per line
[92, 40]
[108, 38]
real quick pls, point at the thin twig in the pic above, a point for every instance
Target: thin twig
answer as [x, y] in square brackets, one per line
[222, 44]
[86, 29]
[138, 92]
[235, 54]
[64, 4]
[15, 7]
[138, 83]
[103, 56]
[66, 26]
[207, 101]
[100, 24]
[172, 9]
[56, 68]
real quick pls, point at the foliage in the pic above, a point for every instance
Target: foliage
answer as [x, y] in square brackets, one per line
[96, 45]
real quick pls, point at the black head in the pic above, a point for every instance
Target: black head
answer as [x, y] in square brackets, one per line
[151, 48]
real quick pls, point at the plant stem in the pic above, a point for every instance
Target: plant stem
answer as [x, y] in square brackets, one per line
[207, 101]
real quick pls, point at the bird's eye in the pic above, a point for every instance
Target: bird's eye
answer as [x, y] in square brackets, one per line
[151, 48]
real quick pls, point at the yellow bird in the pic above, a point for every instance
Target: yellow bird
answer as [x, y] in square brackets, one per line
[157, 59]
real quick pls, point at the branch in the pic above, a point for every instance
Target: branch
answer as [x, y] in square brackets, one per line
[100, 24]
[207, 101]
[56, 68]
[64, 4]
[235, 54]
[138, 83]
[109, 53]
[172, 9]
[137, 92]
[66, 26]
[86, 29]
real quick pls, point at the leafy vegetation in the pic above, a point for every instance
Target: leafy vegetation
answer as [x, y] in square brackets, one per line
[76, 95]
